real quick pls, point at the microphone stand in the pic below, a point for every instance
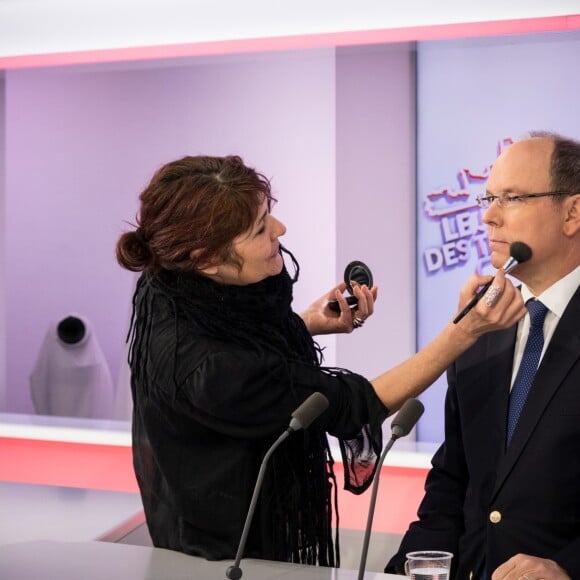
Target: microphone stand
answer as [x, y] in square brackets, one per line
[402, 424]
[363, 558]
[302, 417]
[234, 572]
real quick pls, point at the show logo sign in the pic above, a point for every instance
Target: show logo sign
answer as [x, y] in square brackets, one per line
[454, 212]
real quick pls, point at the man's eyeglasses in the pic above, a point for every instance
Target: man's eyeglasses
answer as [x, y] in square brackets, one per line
[511, 200]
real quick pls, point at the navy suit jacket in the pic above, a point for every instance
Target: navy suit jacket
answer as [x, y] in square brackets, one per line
[485, 503]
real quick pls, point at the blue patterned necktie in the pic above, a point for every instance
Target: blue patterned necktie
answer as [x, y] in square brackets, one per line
[528, 366]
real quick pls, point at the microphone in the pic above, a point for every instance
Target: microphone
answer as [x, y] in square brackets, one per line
[310, 409]
[302, 417]
[519, 252]
[401, 426]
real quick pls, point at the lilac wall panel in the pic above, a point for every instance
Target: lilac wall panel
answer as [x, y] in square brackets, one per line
[376, 197]
[81, 144]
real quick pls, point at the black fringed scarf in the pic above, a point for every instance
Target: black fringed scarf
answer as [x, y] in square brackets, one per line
[257, 316]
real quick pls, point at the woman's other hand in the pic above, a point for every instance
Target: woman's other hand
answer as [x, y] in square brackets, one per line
[321, 319]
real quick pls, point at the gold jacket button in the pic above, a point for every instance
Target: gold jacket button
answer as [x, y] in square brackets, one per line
[495, 517]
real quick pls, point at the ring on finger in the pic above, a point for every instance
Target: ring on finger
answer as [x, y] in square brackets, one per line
[491, 296]
[357, 322]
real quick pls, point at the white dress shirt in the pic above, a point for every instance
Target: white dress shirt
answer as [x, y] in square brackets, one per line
[556, 299]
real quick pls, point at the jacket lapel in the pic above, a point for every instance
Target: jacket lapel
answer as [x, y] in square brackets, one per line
[500, 354]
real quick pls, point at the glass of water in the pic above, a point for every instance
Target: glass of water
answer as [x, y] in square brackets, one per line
[428, 565]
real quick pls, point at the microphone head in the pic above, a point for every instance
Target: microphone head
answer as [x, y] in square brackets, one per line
[310, 409]
[406, 418]
[520, 252]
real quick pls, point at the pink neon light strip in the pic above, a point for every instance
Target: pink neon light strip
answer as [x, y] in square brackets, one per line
[417, 33]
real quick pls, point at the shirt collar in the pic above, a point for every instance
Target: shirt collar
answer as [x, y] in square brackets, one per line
[557, 296]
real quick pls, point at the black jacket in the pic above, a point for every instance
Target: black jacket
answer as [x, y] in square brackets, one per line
[486, 504]
[203, 423]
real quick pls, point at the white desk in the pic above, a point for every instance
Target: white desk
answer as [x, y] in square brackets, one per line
[47, 560]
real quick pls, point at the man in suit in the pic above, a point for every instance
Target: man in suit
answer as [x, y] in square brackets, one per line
[508, 506]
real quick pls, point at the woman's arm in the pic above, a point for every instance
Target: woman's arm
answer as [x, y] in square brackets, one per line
[413, 376]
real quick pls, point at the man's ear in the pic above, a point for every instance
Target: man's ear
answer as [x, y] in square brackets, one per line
[572, 216]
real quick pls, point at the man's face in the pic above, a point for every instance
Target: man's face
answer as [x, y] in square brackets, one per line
[524, 168]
